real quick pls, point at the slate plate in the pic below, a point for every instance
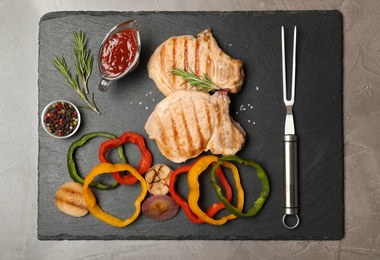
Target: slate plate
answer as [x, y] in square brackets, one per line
[253, 37]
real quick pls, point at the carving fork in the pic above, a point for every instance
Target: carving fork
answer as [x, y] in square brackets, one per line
[290, 188]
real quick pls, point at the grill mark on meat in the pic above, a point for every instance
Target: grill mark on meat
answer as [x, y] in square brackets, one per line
[189, 137]
[176, 135]
[185, 60]
[174, 62]
[201, 136]
[221, 125]
[163, 136]
[209, 119]
[196, 69]
[208, 59]
[162, 57]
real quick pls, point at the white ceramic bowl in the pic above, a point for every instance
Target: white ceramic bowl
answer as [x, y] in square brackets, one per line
[49, 131]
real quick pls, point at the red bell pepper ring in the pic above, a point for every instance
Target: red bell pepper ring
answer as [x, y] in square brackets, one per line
[213, 209]
[127, 137]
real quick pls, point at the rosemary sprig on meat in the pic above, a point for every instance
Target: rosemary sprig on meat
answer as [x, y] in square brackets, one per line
[83, 66]
[203, 83]
[60, 64]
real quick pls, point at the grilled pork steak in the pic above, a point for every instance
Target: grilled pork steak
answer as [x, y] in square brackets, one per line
[186, 123]
[202, 55]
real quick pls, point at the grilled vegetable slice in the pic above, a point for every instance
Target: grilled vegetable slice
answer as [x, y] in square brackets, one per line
[158, 178]
[160, 207]
[69, 199]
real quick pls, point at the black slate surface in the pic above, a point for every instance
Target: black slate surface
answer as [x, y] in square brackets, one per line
[253, 37]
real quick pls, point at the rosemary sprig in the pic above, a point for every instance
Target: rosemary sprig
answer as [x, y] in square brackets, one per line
[83, 58]
[60, 64]
[203, 83]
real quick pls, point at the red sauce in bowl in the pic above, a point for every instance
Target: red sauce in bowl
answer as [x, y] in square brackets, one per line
[119, 52]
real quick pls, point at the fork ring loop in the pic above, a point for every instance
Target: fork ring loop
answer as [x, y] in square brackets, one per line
[286, 225]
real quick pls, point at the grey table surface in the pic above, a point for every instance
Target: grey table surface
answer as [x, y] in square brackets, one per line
[19, 139]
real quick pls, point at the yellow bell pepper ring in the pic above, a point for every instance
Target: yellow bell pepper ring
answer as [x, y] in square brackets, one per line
[194, 190]
[90, 198]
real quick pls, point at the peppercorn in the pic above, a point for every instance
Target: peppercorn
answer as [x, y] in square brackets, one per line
[61, 119]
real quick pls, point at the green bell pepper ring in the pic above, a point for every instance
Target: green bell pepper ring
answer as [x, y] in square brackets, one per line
[71, 162]
[265, 186]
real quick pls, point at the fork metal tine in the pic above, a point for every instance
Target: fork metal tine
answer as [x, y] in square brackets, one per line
[286, 100]
[294, 64]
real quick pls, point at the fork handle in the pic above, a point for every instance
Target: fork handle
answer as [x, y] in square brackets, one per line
[290, 181]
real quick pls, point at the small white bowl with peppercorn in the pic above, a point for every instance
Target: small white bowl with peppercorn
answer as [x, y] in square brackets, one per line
[60, 119]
